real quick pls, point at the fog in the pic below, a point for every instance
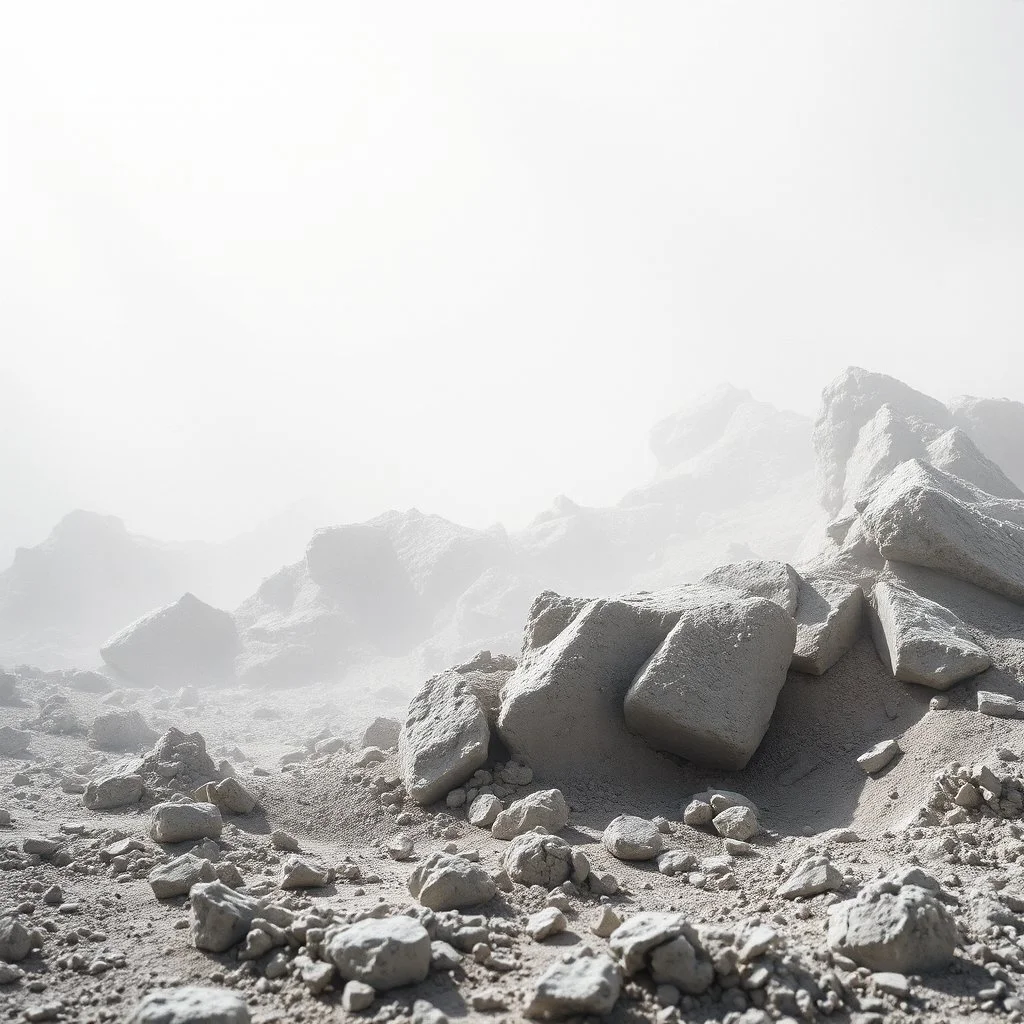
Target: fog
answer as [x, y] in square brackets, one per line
[462, 259]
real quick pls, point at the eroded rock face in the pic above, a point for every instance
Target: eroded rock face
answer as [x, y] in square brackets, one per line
[828, 618]
[709, 691]
[444, 739]
[185, 640]
[920, 641]
[894, 927]
[385, 953]
[446, 882]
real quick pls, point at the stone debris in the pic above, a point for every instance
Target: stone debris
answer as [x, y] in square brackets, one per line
[113, 791]
[300, 873]
[736, 822]
[484, 809]
[999, 705]
[813, 876]
[879, 756]
[120, 731]
[176, 877]
[383, 954]
[545, 923]
[13, 742]
[220, 916]
[180, 823]
[631, 838]
[449, 882]
[828, 619]
[546, 808]
[537, 858]
[191, 1004]
[589, 985]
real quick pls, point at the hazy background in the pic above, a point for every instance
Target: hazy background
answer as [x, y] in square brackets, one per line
[462, 256]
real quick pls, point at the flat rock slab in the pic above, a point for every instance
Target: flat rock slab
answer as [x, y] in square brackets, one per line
[828, 618]
[708, 692]
[875, 759]
[920, 641]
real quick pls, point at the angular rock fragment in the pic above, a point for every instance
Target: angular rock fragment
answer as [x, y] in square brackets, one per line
[546, 808]
[483, 810]
[537, 858]
[777, 582]
[383, 733]
[180, 822]
[682, 960]
[120, 731]
[999, 705]
[708, 692]
[737, 822]
[191, 1004]
[920, 641]
[545, 923]
[894, 927]
[15, 940]
[383, 953]
[176, 877]
[444, 738]
[299, 873]
[587, 986]
[13, 742]
[828, 619]
[220, 916]
[878, 756]
[812, 876]
[113, 791]
[448, 882]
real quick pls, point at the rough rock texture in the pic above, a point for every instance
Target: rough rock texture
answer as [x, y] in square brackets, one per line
[893, 927]
[191, 1004]
[444, 739]
[220, 916]
[546, 808]
[774, 581]
[709, 691]
[185, 641]
[382, 733]
[120, 731]
[920, 641]
[589, 986]
[828, 619]
[447, 882]
[180, 822]
[383, 953]
[562, 707]
[112, 791]
[668, 945]
[736, 822]
[537, 858]
[630, 838]
[13, 742]
[922, 516]
[176, 877]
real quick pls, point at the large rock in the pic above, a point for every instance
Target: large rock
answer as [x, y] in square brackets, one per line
[920, 641]
[112, 791]
[588, 986]
[922, 516]
[894, 927]
[546, 808]
[774, 581]
[446, 882]
[220, 916]
[562, 707]
[444, 739]
[15, 940]
[384, 953]
[187, 641]
[628, 837]
[708, 692]
[176, 877]
[191, 1004]
[537, 858]
[120, 731]
[828, 616]
[180, 822]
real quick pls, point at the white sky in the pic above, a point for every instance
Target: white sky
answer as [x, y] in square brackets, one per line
[462, 256]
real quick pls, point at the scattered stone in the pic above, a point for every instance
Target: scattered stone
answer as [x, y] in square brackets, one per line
[676, 862]
[631, 838]
[299, 873]
[812, 876]
[15, 940]
[281, 840]
[357, 996]
[891, 982]
[484, 809]
[221, 916]
[878, 756]
[120, 731]
[192, 1004]
[176, 877]
[587, 986]
[448, 882]
[384, 953]
[737, 822]
[13, 742]
[607, 921]
[180, 823]
[999, 705]
[113, 791]
[538, 858]
[383, 733]
[546, 808]
[545, 923]
[698, 814]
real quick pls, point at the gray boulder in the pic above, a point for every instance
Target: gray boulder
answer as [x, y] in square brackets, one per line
[774, 581]
[811, 877]
[382, 733]
[16, 940]
[447, 882]
[187, 640]
[180, 822]
[191, 1004]
[630, 838]
[220, 916]
[383, 953]
[538, 858]
[112, 791]
[176, 877]
[828, 618]
[667, 945]
[444, 739]
[920, 641]
[120, 731]
[588, 986]
[546, 808]
[894, 927]
[708, 692]
[13, 742]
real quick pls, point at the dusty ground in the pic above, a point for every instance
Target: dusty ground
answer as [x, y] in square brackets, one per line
[107, 940]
